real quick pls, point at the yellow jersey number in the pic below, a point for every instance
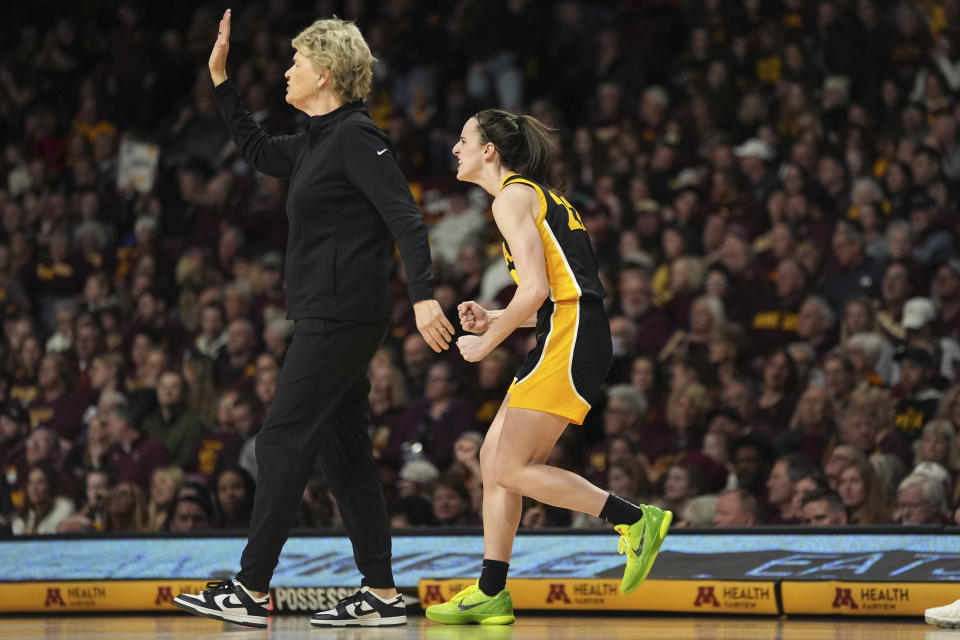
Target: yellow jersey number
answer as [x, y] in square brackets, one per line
[574, 221]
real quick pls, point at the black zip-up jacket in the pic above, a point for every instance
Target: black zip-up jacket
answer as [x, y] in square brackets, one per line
[346, 198]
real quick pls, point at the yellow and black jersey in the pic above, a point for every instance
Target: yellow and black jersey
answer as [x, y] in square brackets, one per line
[571, 265]
[562, 374]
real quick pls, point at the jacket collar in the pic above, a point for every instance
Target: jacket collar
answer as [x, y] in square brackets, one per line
[319, 125]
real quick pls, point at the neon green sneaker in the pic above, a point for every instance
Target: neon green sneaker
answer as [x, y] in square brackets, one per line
[473, 605]
[644, 536]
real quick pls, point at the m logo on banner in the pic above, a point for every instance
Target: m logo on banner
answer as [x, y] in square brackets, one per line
[164, 596]
[54, 598]
[844, 599]
[705, 596]
[433, 594]
[558, 592]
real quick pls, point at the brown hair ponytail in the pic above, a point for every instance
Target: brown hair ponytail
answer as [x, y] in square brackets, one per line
[524, 143]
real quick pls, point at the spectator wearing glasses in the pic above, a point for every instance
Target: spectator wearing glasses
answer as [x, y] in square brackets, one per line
[921, 500]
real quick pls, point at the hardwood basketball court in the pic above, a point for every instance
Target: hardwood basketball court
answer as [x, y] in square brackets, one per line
[699, 627]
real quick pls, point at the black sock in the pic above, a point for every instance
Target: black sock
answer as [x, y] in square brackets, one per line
[493, 576]
[619, 511]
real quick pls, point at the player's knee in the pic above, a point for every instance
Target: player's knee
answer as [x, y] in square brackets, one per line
[507, 475]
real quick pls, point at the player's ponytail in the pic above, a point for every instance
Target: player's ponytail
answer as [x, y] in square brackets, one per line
[524, 143]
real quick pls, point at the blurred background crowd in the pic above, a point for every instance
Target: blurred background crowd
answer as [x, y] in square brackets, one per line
[770, 187]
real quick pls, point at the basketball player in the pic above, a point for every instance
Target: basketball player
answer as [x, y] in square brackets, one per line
[548, 252]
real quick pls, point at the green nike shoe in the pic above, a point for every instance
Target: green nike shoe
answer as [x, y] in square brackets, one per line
[473, 605]
[641, 542]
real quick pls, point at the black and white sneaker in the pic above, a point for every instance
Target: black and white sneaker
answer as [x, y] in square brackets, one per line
[363, 609]
[227, 600]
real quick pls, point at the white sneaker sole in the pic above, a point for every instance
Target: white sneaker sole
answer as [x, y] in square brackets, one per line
[396, 621]
[947, 623]
[248, 621]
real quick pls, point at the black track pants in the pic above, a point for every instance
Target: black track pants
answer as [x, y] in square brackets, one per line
[320, 409]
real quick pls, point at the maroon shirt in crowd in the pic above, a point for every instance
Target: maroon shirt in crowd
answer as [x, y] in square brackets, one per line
[239, 378]
[137, 463]
[215, 452]
[653, 331]
[678, 310]
[437, 439]
[64, 415]
[55, 278]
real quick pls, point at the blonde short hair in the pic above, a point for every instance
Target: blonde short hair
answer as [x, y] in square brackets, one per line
[696, 393]
[337, 46]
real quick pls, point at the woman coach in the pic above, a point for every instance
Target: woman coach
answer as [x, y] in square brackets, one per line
[347, 201]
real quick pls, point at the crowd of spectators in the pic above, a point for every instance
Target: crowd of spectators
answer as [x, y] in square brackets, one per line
[770, 187]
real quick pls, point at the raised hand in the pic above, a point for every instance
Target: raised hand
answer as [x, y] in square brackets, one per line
[218, 57]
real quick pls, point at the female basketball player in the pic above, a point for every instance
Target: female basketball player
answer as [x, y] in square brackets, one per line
[548, 252]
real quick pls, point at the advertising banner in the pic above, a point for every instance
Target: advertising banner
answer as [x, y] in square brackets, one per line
[691, 596]
[865, 598]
